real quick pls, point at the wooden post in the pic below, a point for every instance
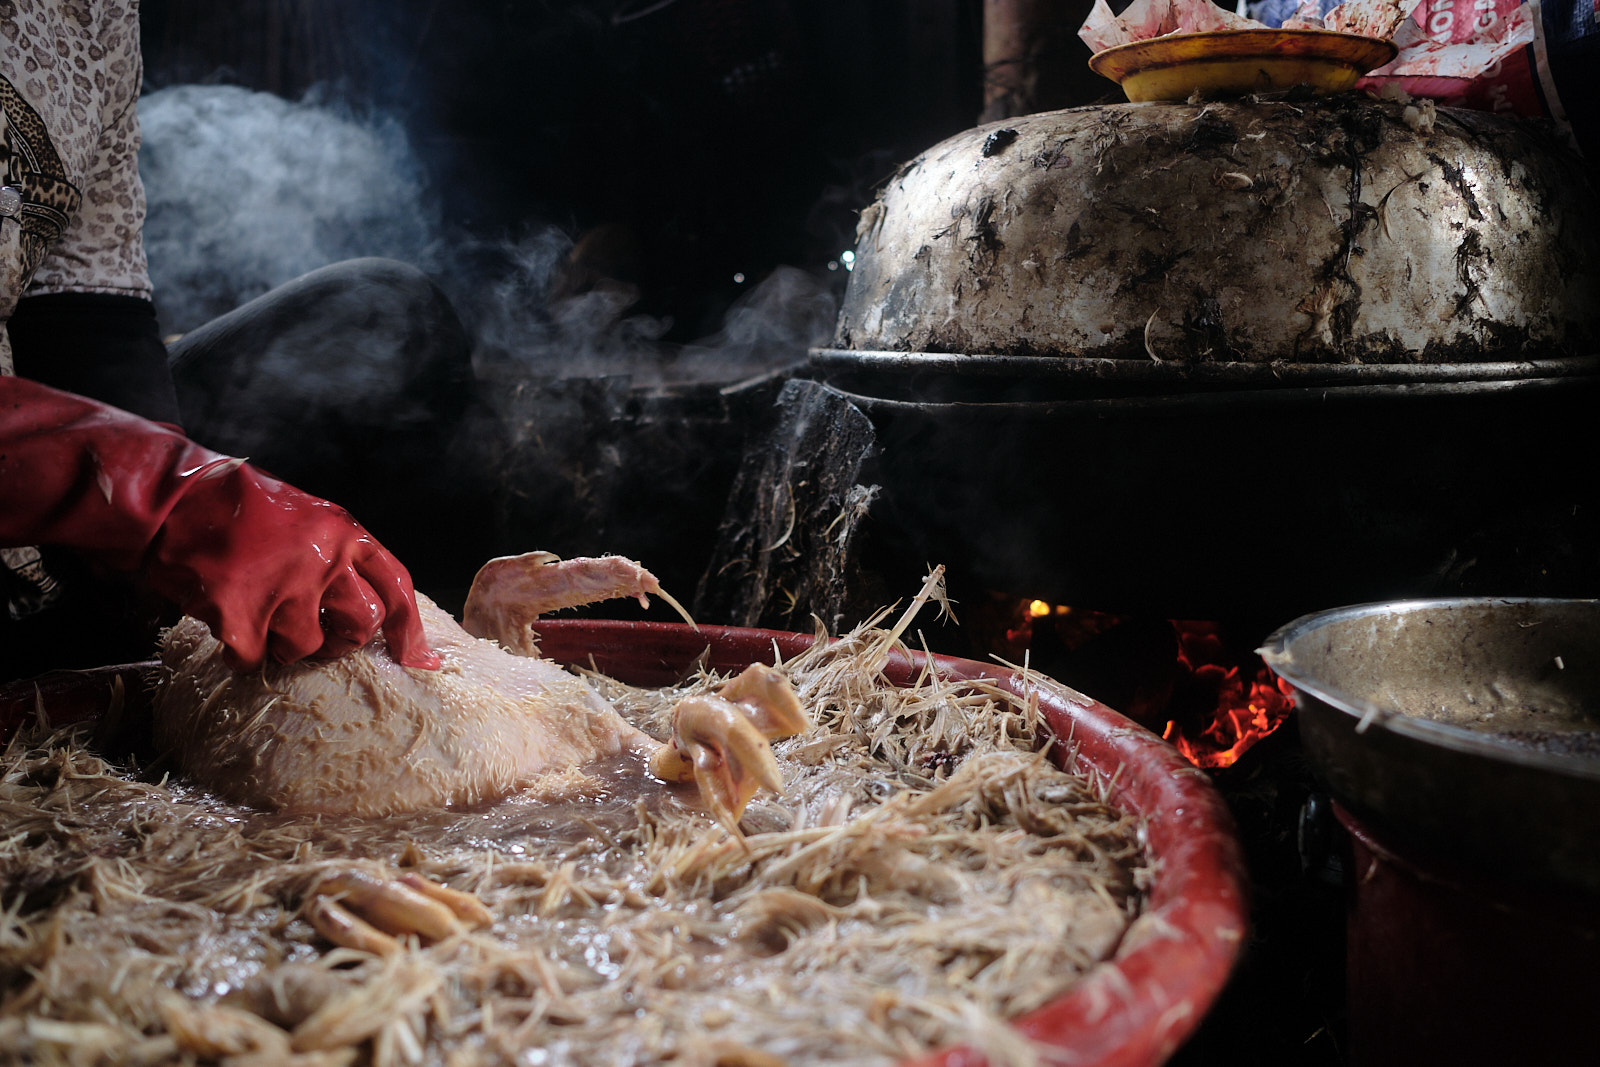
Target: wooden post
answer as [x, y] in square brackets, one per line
[1033, 59]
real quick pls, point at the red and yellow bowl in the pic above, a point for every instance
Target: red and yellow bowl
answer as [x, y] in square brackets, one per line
[1235, 62]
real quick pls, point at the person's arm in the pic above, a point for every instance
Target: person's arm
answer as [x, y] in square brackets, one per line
[270, 569]
[86, 323]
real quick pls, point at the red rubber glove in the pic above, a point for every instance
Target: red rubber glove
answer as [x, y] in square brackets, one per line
[271, 570]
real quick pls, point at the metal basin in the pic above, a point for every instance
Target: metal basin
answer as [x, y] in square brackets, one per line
[1339, 229]
[1468, 726]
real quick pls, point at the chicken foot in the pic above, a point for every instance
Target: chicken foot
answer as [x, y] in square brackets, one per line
[720, 742]
[363, 911]
[510, 593]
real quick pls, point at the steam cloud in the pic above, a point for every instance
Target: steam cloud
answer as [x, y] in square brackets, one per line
[246, 191]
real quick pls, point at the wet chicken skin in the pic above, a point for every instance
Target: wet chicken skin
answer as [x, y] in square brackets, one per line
[363, 735]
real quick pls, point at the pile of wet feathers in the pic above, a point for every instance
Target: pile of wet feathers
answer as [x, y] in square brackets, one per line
[927, 874]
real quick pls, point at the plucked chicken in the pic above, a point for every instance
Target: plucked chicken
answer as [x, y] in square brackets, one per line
[363, 735]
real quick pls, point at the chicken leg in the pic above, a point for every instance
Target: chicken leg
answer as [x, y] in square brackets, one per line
[720, 742]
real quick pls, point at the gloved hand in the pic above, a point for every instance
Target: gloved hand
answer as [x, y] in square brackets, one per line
[269, 569]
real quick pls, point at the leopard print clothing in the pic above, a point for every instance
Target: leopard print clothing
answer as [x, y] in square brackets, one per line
[71, 203]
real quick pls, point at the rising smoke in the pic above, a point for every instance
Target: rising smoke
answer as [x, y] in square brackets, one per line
[247, 191]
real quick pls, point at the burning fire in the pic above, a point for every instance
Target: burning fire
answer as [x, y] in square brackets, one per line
[1250, 703]
[1215, 701]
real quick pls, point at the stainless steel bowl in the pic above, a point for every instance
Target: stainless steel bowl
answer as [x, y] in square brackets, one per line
[1468, 726]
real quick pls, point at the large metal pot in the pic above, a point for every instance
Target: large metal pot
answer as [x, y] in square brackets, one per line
[1474, 841]
[1467, 726]
[1334, 229]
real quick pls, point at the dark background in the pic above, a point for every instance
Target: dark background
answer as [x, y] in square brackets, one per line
[693, 140]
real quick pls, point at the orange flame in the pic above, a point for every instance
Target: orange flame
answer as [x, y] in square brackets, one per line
[1215, 701]
[1249, 704]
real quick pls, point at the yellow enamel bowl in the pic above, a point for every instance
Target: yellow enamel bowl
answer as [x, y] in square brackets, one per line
[1240, 61]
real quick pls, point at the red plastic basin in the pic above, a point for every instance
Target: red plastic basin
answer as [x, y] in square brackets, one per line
[1133, 1010]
